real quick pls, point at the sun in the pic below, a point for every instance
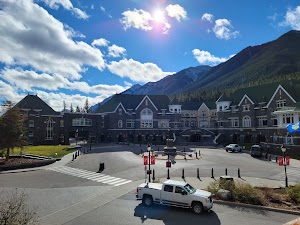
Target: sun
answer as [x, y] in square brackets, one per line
[158, 16]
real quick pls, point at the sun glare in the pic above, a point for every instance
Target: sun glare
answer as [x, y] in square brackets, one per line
[158, 15]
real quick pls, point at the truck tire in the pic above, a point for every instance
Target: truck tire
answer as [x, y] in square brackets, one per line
[147, 200]
[198, 208]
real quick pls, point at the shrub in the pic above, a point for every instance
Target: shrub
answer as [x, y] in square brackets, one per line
[245, 193]
[294, 193]
[213, 187]
[14, 209]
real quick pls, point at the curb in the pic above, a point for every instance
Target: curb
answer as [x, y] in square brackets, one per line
[237, 204]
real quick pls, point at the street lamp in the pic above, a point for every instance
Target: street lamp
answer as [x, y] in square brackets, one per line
[283, 149]
[149, 162]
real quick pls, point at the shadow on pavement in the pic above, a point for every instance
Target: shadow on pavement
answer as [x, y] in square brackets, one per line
[175, 216]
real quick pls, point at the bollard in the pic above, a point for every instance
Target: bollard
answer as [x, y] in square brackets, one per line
[90, 148]
[199, 153]
[196, 155]
[153, 175]
[101, 167]
[184, 157]
[276, 158]
[168, 175]
[184, 149]
[212, 173]
[226, 171]
[182, 174]
[73, 157]
[141, 151]
[266, 156]
[239, 173]
[198, 175]
[270, 157]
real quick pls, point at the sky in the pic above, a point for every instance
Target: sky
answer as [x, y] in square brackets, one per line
[73, 50]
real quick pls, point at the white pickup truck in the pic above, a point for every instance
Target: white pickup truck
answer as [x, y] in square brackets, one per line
[175, 193]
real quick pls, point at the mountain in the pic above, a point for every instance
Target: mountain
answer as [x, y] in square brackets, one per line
[268, 61]
[132, 89]
[172, 83]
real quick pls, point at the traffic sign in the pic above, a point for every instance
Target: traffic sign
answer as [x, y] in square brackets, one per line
[168, 164]
[280, 160]
[152, 159]
[145, 160]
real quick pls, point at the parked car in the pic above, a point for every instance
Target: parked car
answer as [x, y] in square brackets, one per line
[175, 193]
[233, 148]
[256, 151]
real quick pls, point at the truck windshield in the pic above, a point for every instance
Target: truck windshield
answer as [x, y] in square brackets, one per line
[190, 189]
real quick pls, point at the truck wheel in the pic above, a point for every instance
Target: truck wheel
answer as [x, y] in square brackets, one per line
[147, 200]
[197, 208]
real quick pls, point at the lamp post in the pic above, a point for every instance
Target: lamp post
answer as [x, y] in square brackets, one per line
[283, 149]
[149, 161]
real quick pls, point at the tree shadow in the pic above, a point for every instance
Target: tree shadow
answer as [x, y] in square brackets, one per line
[175, 216]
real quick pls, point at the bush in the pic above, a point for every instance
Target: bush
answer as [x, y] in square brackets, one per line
[245, 193]
[241, 192]
[294, 193]
[14, 209]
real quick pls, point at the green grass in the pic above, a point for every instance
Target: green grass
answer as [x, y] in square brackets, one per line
[54, 151]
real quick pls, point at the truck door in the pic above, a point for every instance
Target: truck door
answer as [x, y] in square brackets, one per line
[181, 196]
[167, 195]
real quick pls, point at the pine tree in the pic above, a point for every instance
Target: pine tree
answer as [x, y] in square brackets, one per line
[77, 109]
[87, 106]
[65, 107]
[71, 108]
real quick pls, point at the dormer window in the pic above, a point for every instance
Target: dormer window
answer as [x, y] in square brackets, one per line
[246, 108]
[281, 103]
[37, 113]
[120, 111]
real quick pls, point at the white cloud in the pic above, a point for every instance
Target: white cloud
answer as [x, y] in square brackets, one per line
[136, 71]
[67, 4]
[207, 17]
[116, 51]
[292, 18]
[27, 80]
[206, 58]
[222, 29]
[41, 42]
[100, 42]
[176, 11]
[138, 19]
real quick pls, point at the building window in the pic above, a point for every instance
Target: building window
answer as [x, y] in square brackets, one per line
[120, 124]
[220, 108]
[37, 113]
[30, 133]
[102, 124]
[203, 114]
[31, 123]
[49, 129]
[129, 124]
[246, 121]
[262, 121]
[281, 103]
[25, 113]
[287, 118]
[246, 108]
[146, 118]
[81, 122]
[234, 122]
[62, 123]
[213, 113]
[120, 111]
[163, 112]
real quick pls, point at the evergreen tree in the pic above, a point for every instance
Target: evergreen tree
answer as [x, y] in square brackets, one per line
[71, 108]
[77, 109]
[65, 107]
[12, 131]
[87, 106]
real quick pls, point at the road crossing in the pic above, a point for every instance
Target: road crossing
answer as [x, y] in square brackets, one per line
[293, 174]
[97, 177]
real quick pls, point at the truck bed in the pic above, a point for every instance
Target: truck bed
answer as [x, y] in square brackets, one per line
[156, 186]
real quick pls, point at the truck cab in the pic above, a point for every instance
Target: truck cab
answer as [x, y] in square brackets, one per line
[175, 193]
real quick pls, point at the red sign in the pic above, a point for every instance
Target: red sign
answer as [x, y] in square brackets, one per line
[152, 159]
[145, 160]
[287, 160]
[280, 160]
[168, 164]
[149, 171]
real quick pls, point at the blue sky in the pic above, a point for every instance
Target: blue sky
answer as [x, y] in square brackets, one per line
[70, 50]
